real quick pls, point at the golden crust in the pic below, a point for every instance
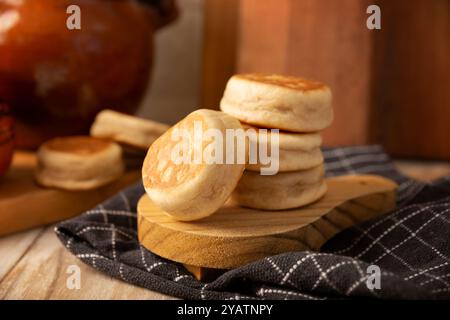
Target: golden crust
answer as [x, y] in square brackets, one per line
[190, 191]
[160, 171]
[81, 145]
[280, 102]
[290, 82]
[78, 163]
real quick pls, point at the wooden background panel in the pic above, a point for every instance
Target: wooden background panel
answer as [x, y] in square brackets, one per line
[325, 40]
[263, 35]
[220, 48]
[411, 105]
[390, 86]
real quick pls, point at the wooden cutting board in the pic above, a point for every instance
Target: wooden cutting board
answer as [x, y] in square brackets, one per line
[235, 236]
[24, 204]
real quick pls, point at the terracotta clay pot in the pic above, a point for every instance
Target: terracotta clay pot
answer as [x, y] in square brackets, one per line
[6, 138]
[56, 80]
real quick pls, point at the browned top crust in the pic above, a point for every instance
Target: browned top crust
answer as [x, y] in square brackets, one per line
[80, 145]
[159, 171]
[290, 82]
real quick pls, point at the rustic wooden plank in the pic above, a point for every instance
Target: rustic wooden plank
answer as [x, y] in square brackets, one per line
[24, 204]
[263, 35]
[326, 40]
[41, 274]
[219, 53]
[14, 247]
[411, 78]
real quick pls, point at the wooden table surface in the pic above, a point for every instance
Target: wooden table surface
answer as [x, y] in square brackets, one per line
[33, 263]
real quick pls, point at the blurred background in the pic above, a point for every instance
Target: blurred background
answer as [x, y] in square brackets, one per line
[390, 86]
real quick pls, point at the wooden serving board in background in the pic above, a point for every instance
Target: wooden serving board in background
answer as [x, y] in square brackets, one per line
[235, 236]
[24, 204]
[393, 83]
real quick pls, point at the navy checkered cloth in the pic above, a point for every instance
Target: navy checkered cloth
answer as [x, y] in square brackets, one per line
[410, 245]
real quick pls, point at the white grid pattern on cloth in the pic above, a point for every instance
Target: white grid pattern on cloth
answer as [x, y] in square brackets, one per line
[442, 277]
[261, 292]
[390, 252]
[305, 275]
[108, 229]
[279, 271]
[112, 213]
[412, 234]
[295, 266]
[366, 231]
[391, 228]
[322, 275]
[113, 242]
